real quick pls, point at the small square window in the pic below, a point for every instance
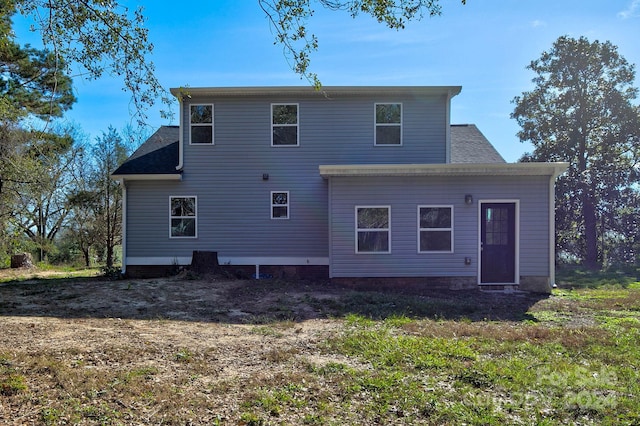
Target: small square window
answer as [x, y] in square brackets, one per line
[284, 125]
[183, 217]
[388, 124]
[280, 205]
[435, 229]
[372, 229]
[201, 124]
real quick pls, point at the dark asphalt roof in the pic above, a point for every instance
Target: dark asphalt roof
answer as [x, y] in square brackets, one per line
[159, 154]
[468, 145]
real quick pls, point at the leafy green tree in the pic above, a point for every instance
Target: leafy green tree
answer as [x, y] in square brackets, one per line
[109, 152]
[82, 232]
[98, 36]
[41, 201]
[106, 36]
[289, 20]
[581, 111]
[95, 222]
[32, 82]
[32, 86]
[82, 229]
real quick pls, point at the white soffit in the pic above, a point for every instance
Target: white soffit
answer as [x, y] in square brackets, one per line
[326, 91]
[498, 169]
[171, 176]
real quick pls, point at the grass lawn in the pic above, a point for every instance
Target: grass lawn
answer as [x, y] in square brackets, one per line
[368, 358]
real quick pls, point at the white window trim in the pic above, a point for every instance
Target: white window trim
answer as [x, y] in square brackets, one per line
[450, 206]
[202, 125]
[297, 125]
[183, 217]
[288, 205]
[375, 124]
[357, 229]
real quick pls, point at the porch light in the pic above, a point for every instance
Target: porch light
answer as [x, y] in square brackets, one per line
[468, 199]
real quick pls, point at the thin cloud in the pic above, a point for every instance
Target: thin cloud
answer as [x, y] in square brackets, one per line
[537, 23]
[633, 11]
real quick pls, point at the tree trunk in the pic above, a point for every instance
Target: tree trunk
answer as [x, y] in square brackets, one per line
[87, 260]
[590, 231]
[203, 262]
[22, 260]
[109, 254]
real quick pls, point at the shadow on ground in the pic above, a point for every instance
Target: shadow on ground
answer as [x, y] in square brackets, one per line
[216, 299]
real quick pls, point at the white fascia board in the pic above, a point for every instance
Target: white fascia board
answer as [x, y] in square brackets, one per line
[169, 176]
[490, 169]
[189, 92]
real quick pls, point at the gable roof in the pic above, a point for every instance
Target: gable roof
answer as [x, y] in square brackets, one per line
[468, 145]
[164, 136]
[158, 155]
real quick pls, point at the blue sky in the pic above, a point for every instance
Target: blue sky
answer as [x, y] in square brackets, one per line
[483, 46]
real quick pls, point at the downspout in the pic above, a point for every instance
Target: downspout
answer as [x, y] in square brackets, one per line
[552, 228]
[124, 226]
[330, 217]
[180, 136]
[448, 130]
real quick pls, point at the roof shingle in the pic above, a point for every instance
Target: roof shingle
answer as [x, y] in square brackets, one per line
[468, 145]
[157, 155]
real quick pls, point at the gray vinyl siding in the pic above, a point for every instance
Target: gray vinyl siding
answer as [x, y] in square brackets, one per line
[232, 223]
[234, 216]
[404, 259]
[234, 200]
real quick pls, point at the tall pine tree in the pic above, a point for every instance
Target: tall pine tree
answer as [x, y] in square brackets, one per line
[32, 85]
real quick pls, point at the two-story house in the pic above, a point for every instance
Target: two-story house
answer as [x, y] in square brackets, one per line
[348, 183]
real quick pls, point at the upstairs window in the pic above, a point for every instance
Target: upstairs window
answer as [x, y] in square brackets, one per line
[201, 124]
[284, 125]
[279, 204]
[435, 229]
[183, 217]
[388, 124]
[372, 229]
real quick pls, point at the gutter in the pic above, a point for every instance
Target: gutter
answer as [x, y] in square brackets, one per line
[443, 169]
[180, 136]
[158, 176]
[552, 223]
[124, 226]
[448, 129]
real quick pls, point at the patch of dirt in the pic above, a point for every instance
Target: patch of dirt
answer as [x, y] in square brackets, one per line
[211, 299]
[222, 300]
[231, 333]
[236, 335]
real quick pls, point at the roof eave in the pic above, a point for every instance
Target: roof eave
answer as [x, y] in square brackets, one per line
[186, 92]
[158, 176]
[492, 169]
